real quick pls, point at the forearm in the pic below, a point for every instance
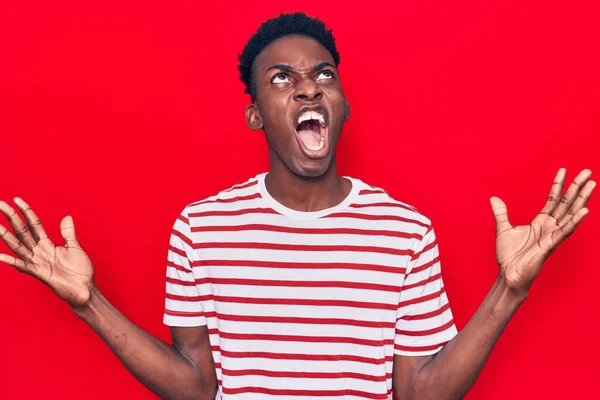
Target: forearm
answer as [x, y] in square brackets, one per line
[452, 372]
[157, 365]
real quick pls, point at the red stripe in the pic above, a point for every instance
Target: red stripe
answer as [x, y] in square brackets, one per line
[304, 392]
[302, 284]
[372, 191]
[312, 375]
[383, 204]
[425, 249]
[298, 265]
[184, 313]
[423, 267]
[184, 219]
[424, 282]
[180, 282]
[244, 211]
[376, 218]
[309, 231]
[299, 320]
[181, 236]
[242, 186]
[228, 200]
[281, 301]
[178, 267]
[300, 247]
[419, 348]
[283, 283]
[177, 251]
[426, 315]
[426, 332]
[305, 357]
[300, 338]
[422, 299]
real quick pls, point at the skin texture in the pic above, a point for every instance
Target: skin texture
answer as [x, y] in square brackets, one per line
[185, 370]
[299, 182]
[520, 253]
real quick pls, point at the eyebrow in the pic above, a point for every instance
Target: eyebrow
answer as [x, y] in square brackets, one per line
[287, 68]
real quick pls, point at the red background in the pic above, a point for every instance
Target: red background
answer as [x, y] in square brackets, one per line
[122, 113]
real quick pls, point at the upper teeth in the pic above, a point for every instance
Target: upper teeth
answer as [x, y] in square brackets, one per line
[311, 115]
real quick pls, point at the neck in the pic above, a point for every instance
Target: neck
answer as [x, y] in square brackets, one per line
[306, 193]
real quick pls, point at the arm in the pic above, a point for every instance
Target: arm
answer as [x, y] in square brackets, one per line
[520, 252]
[451, 372]
[182, 371]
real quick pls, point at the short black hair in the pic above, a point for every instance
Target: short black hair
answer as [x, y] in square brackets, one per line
[276, 28]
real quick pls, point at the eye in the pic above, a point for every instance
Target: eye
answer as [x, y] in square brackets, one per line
[325, 75]
[280, 78]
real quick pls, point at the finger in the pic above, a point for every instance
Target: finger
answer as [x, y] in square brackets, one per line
[19, 227]
[13, 261]
[555, 192]
[15, 244]
[580, 202]
[569, 198]
[67, 230]
[500, 214]
[35, 225]
[567, 230]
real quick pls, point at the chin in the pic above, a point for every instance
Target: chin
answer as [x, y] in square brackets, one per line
[311, 168]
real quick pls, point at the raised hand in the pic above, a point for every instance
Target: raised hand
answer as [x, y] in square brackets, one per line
[521, 250]
[66, 269]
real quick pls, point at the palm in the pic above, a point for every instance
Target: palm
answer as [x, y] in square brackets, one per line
[66, 269]
[521, 250]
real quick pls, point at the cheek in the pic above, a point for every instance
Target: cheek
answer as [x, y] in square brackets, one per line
[339, 113]
[337, 100]
[277, 128]
[278, 120]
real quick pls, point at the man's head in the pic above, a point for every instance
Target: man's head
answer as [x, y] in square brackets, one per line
[289, 67]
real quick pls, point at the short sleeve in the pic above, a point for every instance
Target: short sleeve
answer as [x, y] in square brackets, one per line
[182, 302]
[424, 321]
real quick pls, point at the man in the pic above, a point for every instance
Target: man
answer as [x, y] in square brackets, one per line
[301, 283]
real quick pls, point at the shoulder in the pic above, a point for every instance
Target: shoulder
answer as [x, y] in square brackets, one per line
[377, 201]
[238, 192]
[232, 196]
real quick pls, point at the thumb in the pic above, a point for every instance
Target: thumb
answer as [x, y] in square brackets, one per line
[67, 230]
[500, 214]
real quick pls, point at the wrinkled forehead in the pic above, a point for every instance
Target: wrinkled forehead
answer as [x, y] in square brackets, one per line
[299, 52]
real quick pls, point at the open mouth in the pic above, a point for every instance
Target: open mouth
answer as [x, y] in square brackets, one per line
[311, 131]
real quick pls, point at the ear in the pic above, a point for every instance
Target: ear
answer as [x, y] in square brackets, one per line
[253, 118]
[347, 114]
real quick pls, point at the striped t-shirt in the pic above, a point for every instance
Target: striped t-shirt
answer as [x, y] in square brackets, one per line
[305, 305]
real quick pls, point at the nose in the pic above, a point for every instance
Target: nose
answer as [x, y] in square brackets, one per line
[308, 90]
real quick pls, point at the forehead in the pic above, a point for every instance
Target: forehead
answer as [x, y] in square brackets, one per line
[297, 51]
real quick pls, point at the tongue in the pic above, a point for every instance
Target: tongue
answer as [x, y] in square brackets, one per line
[309, 138]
